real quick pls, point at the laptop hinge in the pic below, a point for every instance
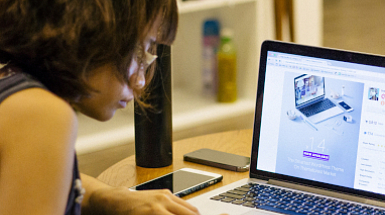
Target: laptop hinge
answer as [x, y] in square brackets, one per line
[327, 193]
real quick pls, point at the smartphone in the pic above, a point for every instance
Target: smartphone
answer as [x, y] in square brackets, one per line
[345, 106]
[181, 182]
[219, 159]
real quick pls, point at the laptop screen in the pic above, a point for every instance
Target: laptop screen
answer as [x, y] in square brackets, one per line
[346, 150]
[308, 89]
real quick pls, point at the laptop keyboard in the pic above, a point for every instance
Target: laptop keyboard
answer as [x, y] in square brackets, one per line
[317, 107]
[290, 202]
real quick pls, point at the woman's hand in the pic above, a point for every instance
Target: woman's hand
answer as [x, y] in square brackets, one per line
[120, 200]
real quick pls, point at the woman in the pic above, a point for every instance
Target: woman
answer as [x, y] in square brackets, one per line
[57, 56]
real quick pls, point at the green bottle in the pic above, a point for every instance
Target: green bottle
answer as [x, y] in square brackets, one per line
[227, 68]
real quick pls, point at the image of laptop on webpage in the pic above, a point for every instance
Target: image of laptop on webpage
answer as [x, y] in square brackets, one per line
[310, 98]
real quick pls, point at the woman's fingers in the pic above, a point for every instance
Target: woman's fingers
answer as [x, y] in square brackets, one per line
[177, 205]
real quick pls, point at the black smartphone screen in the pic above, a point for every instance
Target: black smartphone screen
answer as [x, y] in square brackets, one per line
[344, 105]
[175, 182]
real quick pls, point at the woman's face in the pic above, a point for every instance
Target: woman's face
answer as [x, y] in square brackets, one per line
[113, 93]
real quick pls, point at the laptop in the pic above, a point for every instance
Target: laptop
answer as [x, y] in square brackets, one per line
[338, 168]
[310, 98]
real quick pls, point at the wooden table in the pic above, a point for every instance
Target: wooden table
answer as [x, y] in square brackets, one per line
[126, 173]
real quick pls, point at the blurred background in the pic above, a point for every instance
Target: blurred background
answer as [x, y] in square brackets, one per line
[344, 24]
[354, 25]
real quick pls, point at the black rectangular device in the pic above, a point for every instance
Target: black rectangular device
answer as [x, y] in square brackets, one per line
[219, 159]
[181, 182]
[345, 106]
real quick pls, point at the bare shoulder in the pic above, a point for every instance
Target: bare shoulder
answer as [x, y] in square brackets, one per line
[37, 109]
[36, 99]
[37, 145]
[37, 103]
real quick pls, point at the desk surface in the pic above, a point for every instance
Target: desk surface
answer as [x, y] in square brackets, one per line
[126, 173]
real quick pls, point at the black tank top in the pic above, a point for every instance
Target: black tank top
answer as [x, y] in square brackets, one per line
[20, 81]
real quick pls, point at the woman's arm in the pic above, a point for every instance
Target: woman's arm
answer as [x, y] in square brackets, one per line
[101, 199]
[38, 131]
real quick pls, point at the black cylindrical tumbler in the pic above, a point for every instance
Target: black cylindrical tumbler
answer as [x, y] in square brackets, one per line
[153, 127]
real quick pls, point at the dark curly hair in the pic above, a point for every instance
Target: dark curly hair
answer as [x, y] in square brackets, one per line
[60, 41]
